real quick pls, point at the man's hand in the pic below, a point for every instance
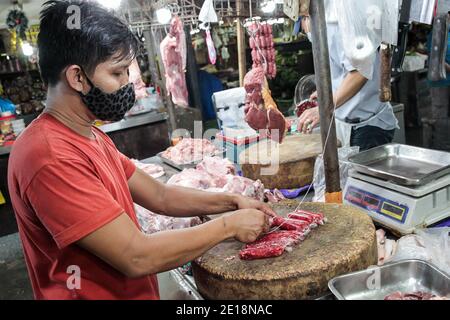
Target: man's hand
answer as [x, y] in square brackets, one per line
[309, 120]
[247, 203]
[313, 96]
[247, 225]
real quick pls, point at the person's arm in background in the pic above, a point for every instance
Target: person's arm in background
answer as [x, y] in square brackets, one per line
[351, 85]
[349, 88]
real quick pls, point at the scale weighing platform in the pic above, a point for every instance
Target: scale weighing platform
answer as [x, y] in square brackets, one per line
[395, 201]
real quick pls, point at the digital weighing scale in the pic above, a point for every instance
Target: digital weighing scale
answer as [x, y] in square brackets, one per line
[400, 202]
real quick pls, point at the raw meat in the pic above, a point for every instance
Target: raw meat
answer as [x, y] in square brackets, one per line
[261, 111]
[153, 170]
[216, 166]
[386, 247]
[271, 245]
[381, 238]
[190, 150]
[136, 78]
[413, 296]
[291, 225]
[317, 218]
[262, 45]
[151, 222]
[218, 175]
[274, 196]
[305, 105]
[174, 55]
[192, 178]
[277, 242]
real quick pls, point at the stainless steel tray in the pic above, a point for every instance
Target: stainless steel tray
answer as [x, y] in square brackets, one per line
[406, 276]
[181, 167]
[401, 164]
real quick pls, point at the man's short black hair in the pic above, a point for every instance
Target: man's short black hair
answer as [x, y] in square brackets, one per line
[102, 36]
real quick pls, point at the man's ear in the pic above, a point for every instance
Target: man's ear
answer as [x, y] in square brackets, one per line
[76, 79]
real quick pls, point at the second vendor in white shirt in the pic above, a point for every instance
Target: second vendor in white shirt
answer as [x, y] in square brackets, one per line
[361, 119]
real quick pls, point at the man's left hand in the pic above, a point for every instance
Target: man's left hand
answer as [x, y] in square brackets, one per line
[309, 120]
[243, 203]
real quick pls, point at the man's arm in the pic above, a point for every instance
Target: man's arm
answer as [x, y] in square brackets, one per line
[184, 202]
[352, 84]
[350, 87]
[447, 67]
[125, 248]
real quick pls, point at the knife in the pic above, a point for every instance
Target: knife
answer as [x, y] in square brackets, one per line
[403, 30]
[436, 68]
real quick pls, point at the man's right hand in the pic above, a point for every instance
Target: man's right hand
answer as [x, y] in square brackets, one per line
[247, 225]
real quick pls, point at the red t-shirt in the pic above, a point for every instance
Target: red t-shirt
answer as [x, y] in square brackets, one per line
[63, 187]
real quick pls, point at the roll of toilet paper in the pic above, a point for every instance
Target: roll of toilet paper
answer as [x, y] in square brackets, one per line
[361, 50]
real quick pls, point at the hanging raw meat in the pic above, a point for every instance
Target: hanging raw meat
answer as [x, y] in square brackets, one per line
[263, 51]
[261, 110]
[173, 52]
[212, 54]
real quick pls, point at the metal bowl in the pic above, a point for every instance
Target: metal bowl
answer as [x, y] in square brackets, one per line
[376, 283]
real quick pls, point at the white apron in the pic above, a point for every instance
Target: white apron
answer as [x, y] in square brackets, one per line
[344, 129]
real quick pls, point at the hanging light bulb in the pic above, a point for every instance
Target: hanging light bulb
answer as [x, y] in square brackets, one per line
[27, 49]
[164, 15]
[110, 4]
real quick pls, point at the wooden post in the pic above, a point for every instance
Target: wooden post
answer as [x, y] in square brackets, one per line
[242, 57]
[326, 103]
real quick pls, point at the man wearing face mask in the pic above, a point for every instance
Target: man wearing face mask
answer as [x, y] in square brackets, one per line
[361, 119]
[73, 191]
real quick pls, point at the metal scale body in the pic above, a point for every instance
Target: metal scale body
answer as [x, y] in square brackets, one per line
[400, 207]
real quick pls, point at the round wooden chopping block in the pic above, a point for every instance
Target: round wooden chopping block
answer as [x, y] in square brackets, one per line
[282, 166]
[347, 243]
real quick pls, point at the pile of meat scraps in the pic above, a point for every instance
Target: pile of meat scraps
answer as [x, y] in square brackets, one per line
[215, 174]
[261, 111]
[151, 222]
[287, 233]
[153, 170]
[386, 247]
[413, 296]
[263, 48]
[174, 57]
[190, 150]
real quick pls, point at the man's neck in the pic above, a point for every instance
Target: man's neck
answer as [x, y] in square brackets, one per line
[68, 108]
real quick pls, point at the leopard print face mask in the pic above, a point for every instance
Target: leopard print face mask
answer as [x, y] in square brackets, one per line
[109, 106]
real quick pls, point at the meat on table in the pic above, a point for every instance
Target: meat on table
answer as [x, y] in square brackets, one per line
[288, 232]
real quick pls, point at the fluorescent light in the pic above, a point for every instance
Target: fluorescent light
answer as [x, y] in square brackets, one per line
[164, 15]
[27, 49]
[269, 6]
[110, 4]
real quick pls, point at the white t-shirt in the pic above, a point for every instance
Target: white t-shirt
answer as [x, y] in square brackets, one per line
[366, 103]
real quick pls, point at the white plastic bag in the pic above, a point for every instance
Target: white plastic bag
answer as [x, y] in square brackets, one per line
[208, 13]
[319, 172]
[431, 245]
[360, 26]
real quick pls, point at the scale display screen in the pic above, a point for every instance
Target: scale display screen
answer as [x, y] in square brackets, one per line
[377, 204]
[372, 201]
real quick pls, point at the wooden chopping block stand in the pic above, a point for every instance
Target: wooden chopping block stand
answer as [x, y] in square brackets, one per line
[347, 243]
[297, 156]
